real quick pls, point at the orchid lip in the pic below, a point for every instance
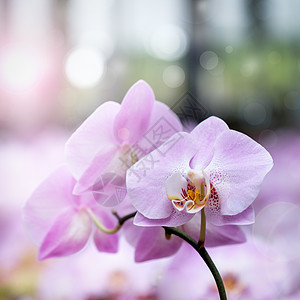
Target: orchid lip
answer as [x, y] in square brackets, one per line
[189, 192]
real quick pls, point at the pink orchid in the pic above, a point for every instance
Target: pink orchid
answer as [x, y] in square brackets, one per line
[61, 223]
[113, 138]
[213, 167]
[150, 242]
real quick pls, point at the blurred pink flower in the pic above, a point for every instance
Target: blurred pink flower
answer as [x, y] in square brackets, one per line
[24, 162]
[113, 138]
[277, 207]
[282, 183]
[60, 222]
[213, 167]
[93, 275]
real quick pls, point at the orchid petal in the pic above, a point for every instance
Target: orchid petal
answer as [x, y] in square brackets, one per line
[223, 235]
[153, 244]
[192, 207]
[150, 243]
[179, 205]
[92, 138]
[46, 203]
[163, 124]
[175, 219]
[107, 184]
[151, 172]
[236, 171]
[133, 118]
[175, 185]
[246, 217]
[215, 235]
[103, 241]
[206, 134]
[69, 233]
[97, 167]
[162, 111]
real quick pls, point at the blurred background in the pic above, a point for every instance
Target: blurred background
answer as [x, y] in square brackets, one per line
[60, 59]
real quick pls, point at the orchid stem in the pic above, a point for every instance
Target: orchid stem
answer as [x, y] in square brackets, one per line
[101, 226]
[199, 247]
[122, 220]
[202, 228]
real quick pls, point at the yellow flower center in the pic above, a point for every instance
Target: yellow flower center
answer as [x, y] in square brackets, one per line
[194, 195]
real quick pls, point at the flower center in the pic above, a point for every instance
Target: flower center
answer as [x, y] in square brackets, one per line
[127, 155]
[189, 192]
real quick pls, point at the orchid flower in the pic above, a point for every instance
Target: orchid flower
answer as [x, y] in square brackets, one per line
[212, 168]
[150, 242]
[61, 223]
[113, 138]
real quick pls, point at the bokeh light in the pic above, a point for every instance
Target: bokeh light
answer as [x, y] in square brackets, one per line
[84, 67]
[169, 43]
[209, 60]
[254, 113]
[21, 68]
[174, 76]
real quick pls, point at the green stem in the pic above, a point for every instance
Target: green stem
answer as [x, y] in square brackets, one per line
[101, 226]
[121, 221]
[205, 256]
[202, 229]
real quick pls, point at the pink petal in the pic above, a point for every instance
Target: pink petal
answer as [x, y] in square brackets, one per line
[105, 178]
[46, 203]
[163, 124]
[103, 241]
[106, 242]
[174, 186]
[146, 179]
[93, 137]
[177, 218]
[215, 235]
[246, 217]
[99, 166]
[133, 118]
[223, 235]
[151, 243]
[206, 134]
[237, 169]
[68, 235]
[162, 111]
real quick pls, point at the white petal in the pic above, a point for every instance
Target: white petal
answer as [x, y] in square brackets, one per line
[174, 186]
[179, 205]
[193, 208]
